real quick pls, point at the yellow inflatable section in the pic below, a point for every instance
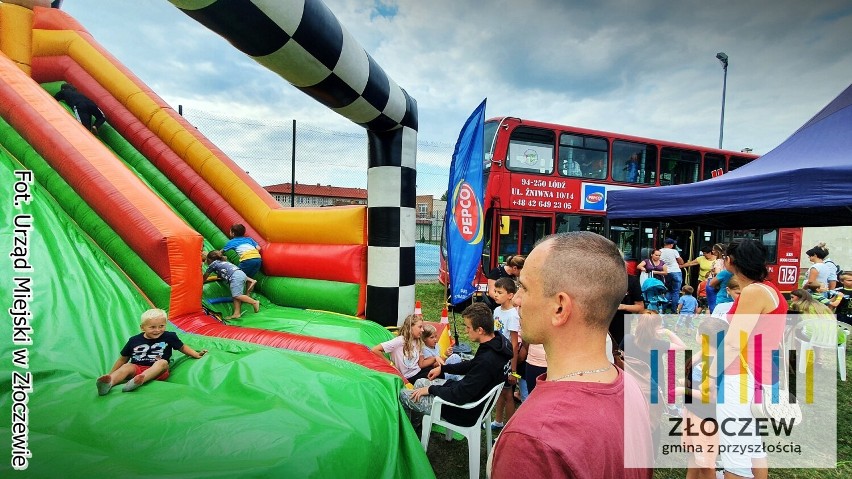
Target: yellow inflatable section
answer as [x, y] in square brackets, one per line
[316, 226]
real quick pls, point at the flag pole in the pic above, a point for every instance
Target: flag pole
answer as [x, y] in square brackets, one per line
[459, 347]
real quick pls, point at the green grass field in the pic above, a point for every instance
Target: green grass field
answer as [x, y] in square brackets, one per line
[449, 459]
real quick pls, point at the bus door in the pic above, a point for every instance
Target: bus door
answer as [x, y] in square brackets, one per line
[518, 234]
[688, 250]
[631, 240]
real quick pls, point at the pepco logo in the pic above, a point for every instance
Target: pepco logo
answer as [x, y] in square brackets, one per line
[468, 213]
[593, 198]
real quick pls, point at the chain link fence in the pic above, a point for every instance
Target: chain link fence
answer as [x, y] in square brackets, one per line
[265, 149]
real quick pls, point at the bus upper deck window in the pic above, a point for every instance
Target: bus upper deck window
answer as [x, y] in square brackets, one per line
[634, 162]
[678, 166]
[581, 155]
[531, 150]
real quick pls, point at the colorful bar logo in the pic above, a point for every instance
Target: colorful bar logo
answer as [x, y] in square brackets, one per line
[755, 367]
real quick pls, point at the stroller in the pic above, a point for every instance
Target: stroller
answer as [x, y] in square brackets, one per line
[655, 294]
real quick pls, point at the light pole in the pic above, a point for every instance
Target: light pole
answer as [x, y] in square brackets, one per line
[724, 59]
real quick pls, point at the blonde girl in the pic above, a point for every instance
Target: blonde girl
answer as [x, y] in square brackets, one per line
[405, 349]
[804, 303]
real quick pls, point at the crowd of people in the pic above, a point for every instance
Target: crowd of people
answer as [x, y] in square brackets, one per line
[552, 333]
[560, 327]
[547, 333]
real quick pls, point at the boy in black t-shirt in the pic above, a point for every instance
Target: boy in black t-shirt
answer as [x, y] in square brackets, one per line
[841, 301]
[511, 269]
[146, 356]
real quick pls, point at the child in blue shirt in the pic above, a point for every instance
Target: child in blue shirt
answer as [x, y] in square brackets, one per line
[687, 307]
[246, 248]
[431, 350]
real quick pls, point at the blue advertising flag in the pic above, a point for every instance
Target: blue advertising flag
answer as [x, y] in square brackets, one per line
[464, 217]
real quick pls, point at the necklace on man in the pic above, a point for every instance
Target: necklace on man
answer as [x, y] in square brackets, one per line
[582, 373]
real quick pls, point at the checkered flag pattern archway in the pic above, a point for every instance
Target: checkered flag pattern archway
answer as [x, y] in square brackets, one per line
[302, 41]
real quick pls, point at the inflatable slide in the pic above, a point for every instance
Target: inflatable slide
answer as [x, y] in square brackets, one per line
[98, 229]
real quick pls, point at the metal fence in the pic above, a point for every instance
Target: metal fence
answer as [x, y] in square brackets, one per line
[266, 150]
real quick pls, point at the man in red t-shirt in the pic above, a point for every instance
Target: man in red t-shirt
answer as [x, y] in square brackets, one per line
[574, 424]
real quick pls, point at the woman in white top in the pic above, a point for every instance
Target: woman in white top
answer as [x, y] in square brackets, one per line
[819, 271]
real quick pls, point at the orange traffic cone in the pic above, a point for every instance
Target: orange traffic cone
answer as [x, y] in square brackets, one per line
[418, 311]
[444, 317]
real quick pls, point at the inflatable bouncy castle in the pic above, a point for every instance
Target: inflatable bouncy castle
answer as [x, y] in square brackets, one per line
[101, 227]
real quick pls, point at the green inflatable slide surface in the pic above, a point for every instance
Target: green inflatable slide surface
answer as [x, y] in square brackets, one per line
[242, 410]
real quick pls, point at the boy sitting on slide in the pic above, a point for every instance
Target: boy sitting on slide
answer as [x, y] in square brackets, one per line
[148, 354]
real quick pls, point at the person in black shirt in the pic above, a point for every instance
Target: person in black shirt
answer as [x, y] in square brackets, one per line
[633, 303]
[84, 108]
[511, 269]
[842, 299]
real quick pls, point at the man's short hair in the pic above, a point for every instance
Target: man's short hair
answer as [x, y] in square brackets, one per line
[480, 316]
[590, 269]
[507, 284]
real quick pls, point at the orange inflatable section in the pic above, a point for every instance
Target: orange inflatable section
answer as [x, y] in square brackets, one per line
[56, 34]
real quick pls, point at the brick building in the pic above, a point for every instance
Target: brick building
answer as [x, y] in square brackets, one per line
[430, 217]
[317, 195]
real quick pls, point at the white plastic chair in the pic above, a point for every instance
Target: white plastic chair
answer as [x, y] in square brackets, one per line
[472, 433]
[823, 333]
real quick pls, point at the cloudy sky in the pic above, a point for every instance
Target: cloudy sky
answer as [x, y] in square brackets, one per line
[645, 68]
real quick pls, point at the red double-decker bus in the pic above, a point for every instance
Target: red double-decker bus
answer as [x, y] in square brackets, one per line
[543, 178]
